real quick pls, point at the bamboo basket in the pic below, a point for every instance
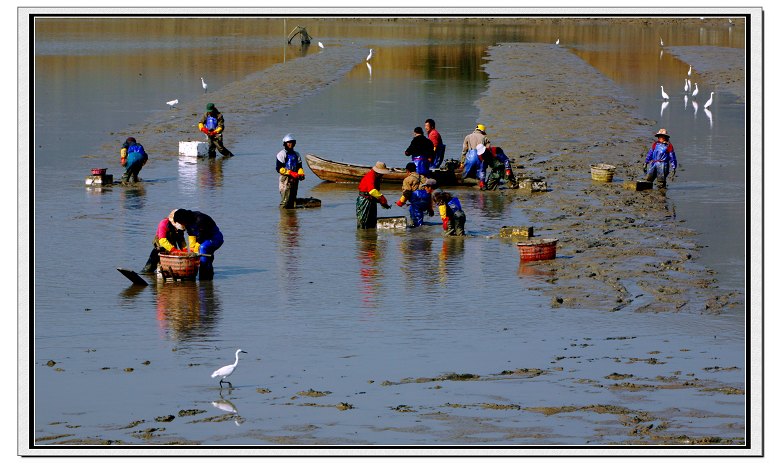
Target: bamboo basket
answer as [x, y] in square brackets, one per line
[602, 172]
[537, 250]
[179, 266]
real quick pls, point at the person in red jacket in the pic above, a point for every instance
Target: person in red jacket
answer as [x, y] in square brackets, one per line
[168, 239]
[369, 196]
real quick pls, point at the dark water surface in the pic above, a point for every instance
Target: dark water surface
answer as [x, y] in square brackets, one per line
[317, 304]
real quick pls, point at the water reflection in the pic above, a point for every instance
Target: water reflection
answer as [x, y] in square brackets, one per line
[369, 255]
[489, 204]
[369, 71]
[663, 107]
[536, 269]
[695, 107]
[210, 174]
[133, 196]
[188, 174]
[186, 310]
[288, 259]
[685, 99]
[417, 260]
[228, 406]
[708, 113]
[450, 256]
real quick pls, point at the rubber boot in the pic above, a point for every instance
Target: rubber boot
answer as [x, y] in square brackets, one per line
[206, 271]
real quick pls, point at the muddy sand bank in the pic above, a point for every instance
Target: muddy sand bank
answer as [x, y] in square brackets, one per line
[555, 115]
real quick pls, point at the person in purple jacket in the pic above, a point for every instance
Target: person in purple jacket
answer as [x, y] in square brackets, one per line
[660, 159]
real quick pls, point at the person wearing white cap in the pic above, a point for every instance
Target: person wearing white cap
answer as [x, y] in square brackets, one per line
[420, 202]
[496, 160]
[289, 165]
[661, 158]
[369, 195]
[168, 239]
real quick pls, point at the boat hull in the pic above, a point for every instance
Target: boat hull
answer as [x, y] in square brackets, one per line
[338, 172]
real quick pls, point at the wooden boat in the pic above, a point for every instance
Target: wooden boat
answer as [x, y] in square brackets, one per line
[339, 172]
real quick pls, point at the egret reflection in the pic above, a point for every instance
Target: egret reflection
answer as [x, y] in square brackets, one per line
[709, 116]
[664, 105]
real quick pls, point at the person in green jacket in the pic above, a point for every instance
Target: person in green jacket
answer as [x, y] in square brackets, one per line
[212, 124]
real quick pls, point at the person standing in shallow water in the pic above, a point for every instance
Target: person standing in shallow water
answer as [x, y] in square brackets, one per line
[369, 196]
[452, 216]
[168, 239]
[212, 124]
[660, 159]
[289, 165]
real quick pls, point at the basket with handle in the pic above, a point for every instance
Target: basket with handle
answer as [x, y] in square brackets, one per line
[602, 172]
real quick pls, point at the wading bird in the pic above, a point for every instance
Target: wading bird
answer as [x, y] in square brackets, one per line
[662, 41]
[370, 54]
[709, 101]
[663, 93]
[322, 46]
[557, 41]
[224, 372]
[172, 103]
[690, 69]
[695, 90]
[686, 85]
[204, 85]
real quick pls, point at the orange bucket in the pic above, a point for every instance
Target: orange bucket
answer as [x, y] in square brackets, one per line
[179, 266]
[537, 250]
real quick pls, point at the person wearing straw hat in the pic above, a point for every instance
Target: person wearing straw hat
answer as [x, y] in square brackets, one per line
[470, 142]
[168, 239]
[660, 159]
[420, 202]
[369, 195]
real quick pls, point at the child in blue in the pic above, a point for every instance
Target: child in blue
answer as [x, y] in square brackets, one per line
[452, 216]
[420, 202]
[660, 158]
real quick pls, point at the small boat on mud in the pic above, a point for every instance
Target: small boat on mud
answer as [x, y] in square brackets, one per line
[338, 172]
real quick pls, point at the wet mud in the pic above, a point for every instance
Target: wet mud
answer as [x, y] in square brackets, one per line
[555, 116]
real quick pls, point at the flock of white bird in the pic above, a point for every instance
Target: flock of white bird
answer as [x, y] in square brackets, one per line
[694, 90]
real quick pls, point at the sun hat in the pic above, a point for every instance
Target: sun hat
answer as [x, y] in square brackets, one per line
[481, 149]
[480, 127]
[430, 182]
[662, 132]
[380, 168]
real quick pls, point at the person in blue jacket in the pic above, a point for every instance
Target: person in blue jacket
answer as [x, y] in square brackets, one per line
[289, 165]
[660, 159]
[132, 157]
[452, 216]
[420, 202]
[204, 238]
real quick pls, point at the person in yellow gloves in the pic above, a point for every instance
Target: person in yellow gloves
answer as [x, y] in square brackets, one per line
[452, 216]
[212, 124]
[168, 239]
[204, 238]
[369, 196]
[289, 165]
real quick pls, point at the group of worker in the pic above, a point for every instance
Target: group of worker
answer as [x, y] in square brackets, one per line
[419, 191]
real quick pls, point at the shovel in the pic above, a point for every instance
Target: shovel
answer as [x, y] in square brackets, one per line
[133, 276]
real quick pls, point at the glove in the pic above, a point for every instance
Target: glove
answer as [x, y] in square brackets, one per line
[205, 130]
[383, 201]
[644, 168]
[399, 203]
[301, 176]
[445, 223]
[293, 174]
[508, 173]
[481, 185]
[123, 161]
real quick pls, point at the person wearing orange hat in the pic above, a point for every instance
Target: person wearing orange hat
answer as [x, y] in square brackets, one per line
[660, 159]
[168, 239]
[369, 196]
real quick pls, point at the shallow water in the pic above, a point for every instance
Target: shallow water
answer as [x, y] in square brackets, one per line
[319, 305]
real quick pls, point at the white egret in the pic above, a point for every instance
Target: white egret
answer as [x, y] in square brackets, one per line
[709, 101]
[557, 41]
[370, 54]
[709, 116]
[690, 69]
[172, 103]
[662, 41]
[204, 85]
[695, 90]
[686, 85]
[321, 45]
[663, 93]
[690, 87]
[224, 372]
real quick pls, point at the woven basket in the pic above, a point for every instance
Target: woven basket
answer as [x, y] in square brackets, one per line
[602, 172]
[179, 266]
[537, 250]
